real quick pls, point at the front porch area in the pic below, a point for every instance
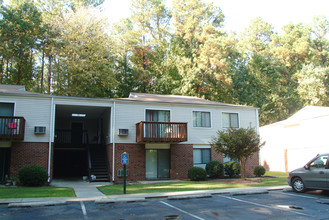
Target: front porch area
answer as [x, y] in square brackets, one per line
[79, 142]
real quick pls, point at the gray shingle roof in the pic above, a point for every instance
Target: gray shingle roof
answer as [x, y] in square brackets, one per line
[133, 97]
[174, 99]
[15, 89]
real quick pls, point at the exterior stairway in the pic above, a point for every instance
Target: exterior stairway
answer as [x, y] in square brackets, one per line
[98, 163]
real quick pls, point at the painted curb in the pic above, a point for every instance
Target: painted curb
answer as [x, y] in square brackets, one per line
[198, 196]
[103, 201]
[35, 204]
[248, 193]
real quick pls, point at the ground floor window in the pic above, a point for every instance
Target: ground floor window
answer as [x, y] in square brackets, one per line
[157, 163]
[201, 155]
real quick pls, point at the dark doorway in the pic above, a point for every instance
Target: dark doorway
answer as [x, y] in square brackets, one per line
[77, 133]
[4, 163]
[70, 163]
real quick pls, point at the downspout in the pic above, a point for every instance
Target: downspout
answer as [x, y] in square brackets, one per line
[50, 136]
[257, 127]
[257, 121]
[113, 142]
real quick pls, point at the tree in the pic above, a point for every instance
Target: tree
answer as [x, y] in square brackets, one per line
[237, 144]
[313, 85]
[21, 29]
[204, 53]
[85, 58]
[320, 42]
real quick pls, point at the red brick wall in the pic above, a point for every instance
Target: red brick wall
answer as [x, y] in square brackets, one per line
[251, 164]
[181, 160]
[28, 153]
[136, 166]
[216, 156]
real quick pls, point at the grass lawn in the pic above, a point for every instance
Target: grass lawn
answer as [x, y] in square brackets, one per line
[35, 192]
[192, 185]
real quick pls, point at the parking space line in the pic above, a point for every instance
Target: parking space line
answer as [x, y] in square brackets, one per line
[261, 205]
[307, 197]
[84, 211]
[171, 206]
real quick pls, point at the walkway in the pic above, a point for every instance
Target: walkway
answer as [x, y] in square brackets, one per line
[82, 189]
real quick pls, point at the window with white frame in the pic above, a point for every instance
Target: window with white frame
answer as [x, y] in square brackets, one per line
[201, 119]
[157, 115]
[201, 155]
[230, 120]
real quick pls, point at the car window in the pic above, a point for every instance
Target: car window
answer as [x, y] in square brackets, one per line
[319, 162]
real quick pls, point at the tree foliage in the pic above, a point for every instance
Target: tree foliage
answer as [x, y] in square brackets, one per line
[63, 47]
[238, 144]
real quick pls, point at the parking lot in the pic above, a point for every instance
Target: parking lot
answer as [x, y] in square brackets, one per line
[274, 205]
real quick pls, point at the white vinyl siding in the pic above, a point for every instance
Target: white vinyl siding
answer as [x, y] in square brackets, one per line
[130, 113]
[201, 119]
[230, 120]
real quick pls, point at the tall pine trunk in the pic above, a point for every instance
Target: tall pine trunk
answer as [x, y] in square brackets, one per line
[42, 70]
[49, 73]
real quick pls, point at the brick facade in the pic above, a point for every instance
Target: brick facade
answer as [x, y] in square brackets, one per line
[181, 159]
[251, 164]
[136, 166]
[28, 153]
[215, 155]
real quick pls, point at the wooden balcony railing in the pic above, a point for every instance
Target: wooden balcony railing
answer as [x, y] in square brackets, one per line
[170, 132]
[12, 128]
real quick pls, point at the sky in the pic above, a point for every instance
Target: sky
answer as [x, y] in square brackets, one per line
[238, 13]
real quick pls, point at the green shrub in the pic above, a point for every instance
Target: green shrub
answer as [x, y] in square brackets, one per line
[214, 169]
[196, 173]
[232, 168]
[259, 171]
[33, 175]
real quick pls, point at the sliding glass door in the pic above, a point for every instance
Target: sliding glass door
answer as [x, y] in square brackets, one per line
[157, 164]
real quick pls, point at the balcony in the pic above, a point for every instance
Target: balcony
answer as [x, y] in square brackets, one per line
[157, 132]
[12, 128]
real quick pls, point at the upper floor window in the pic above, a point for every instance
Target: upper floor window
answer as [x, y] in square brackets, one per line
[158, 115]
[230, 120]
[201, 119]
[6, 109]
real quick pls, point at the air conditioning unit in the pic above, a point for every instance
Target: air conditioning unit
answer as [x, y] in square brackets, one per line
[120, 173]
[123, 132]
[39, 130]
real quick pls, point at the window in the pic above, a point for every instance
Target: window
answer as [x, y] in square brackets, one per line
[230, 120]
[320, 162]
[201, 156]
[201, 119]
[158, 115]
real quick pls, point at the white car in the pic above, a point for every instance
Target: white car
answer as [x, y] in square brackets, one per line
[314, 175]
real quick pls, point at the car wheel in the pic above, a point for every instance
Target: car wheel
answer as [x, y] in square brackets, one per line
[298, 185]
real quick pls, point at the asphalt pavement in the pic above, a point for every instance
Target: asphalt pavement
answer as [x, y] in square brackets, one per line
[244, 205]
[87, 191]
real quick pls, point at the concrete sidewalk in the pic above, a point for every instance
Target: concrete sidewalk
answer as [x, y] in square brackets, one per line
[86, 191]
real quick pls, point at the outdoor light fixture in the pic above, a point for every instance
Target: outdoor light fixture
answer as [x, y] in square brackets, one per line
[78, 115]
